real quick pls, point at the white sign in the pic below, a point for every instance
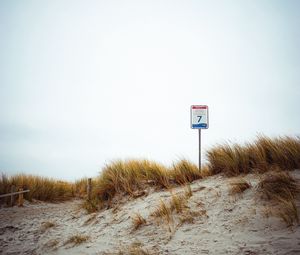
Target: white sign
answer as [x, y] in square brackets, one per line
[199, 116]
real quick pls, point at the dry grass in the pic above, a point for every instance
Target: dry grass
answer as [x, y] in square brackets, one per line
[133, 249]
[287, 211]
[46, 225]
[77, 240]
[129, 177]
[189, 216]
[132, 176]
[163, 211]
[177, 204]
[41, 188]
[261, 155]
[206, 171]
[90, 206]
[138, 221]
[239, 186]
[185, 172]
[80, 187]
[278, 185]
[188, 191]
[282, 190]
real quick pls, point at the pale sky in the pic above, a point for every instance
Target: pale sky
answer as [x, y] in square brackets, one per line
[86, 82]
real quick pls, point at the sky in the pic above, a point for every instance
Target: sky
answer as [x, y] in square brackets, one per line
[86, 82]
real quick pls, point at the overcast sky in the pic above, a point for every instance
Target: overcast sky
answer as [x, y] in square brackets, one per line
[85, 82]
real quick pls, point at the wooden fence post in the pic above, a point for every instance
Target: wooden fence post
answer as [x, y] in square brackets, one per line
[21, 200]
[89, 188]
[12, 200]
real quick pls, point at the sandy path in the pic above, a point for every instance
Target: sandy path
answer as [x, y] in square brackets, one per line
[230, 225]
[21, 228]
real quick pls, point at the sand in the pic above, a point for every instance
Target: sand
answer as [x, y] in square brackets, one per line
[226, 224]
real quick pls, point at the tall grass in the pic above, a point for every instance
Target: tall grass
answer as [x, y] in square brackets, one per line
[80, 187]
[41, 188]
[282, 189]
[126, 177]
[260, 156]
[129, 176]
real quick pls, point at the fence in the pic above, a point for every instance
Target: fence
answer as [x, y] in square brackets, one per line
[13, 193]
[21, 192]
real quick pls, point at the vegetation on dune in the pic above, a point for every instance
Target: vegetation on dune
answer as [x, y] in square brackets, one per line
[176, 210]
[239, 186]
[77, 240]
[80, 187]
[131, 176]
[259, 156]
[134, 177]
[282, 190]
[41, 188]
[138, 220]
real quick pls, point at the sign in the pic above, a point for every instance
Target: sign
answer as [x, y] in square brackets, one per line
[199, 116]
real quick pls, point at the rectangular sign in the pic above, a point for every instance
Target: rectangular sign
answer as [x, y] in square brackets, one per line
[199, 116]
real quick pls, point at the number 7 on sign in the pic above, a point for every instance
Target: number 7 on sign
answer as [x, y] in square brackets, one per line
[199, 118]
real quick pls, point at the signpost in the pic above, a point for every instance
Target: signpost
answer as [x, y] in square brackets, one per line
[199, 120]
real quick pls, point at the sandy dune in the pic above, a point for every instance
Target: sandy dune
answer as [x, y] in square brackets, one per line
[228, 225]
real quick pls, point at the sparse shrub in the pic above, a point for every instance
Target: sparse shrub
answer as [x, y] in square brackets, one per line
[178, 203]
[138, 221]
[163, 211]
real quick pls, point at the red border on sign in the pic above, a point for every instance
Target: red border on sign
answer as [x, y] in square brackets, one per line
[199, 107]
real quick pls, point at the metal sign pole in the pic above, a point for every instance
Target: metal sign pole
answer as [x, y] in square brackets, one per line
[199, 120]
[199, 149]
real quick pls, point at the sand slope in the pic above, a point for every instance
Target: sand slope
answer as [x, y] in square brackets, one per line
[227, 225]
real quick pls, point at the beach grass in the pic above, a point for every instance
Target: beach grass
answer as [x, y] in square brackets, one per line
[41, 188]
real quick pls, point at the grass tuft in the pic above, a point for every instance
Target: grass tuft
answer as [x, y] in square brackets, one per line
[239, 186]
[178, 203]
[278, 185]
[90, 206]
[185, 172]
[138, 221]
[77, 240]
[281, 189]
[163, 211]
